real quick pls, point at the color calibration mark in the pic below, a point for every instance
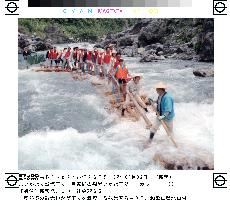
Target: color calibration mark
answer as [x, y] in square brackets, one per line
[110, 3]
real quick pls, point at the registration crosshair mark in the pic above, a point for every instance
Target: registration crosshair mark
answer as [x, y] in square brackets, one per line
[12, 7]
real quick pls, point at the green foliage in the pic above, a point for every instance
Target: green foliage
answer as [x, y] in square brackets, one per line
[89, 28]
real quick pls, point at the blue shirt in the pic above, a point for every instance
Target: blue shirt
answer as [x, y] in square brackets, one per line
[166, 106]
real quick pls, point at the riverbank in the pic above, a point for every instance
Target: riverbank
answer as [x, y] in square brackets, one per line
[149, 39]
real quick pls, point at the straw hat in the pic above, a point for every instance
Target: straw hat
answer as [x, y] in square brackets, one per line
[160, 85]
[114, 51]
[137, 75]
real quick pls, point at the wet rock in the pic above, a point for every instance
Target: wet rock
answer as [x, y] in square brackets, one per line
[204, 72]
[146, 59]
[151, 57]
[169, 166]
[41, 46]
[130, 51]
[179, 167]
[141, 50]
[160, 53]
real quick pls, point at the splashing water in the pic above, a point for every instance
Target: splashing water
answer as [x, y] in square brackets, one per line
[63, 123]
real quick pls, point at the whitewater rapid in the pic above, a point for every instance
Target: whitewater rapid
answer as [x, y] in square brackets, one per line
[63, 123]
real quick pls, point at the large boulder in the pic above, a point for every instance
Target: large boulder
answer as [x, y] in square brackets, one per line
[126, 41]
[204, 72]
[40, 46]
[206, 50]
[151, 57]
[138, 26]
[152, 33]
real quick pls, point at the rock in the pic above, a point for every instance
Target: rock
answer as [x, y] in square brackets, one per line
[130, 51]
[179, 50]
[186, 39]
[174, 55]
[204, 72]
[152, 33]
[159, 47]
[109, 36]
[160, 53]
[141, 50]
[138, 26]
[146, 59]
[23, 41]
[50, 29]
[40, 46]
[161, 57]
[206, 50]
[151, 57]
[125, 41]
[119, 35]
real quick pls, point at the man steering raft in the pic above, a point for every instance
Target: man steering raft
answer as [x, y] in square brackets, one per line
[165, 109]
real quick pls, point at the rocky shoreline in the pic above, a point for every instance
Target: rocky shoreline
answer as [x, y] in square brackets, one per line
[158, 39]
[149, 39]
[52, 34]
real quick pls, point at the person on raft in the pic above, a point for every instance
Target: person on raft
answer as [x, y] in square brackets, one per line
[133, 88]
[165, 108]
[121, 74]
[26, 53]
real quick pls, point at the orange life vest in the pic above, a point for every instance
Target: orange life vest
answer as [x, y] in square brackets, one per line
[121, 73]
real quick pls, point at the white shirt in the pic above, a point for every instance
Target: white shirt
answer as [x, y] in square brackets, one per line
[133, 88]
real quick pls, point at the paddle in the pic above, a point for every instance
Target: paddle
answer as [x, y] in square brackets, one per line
[165, 126]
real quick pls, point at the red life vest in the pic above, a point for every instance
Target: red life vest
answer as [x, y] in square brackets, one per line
[54, 55]
[67, 55]
[116, 63]
[100, 59]
[95, 55]
[89, 57]
[49, 54]
[107, 57]
[121, 73]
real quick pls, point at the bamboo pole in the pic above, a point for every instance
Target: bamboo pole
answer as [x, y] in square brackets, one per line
[165, 127]
[139, 109]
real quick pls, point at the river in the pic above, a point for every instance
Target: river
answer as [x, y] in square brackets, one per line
[63, 123]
